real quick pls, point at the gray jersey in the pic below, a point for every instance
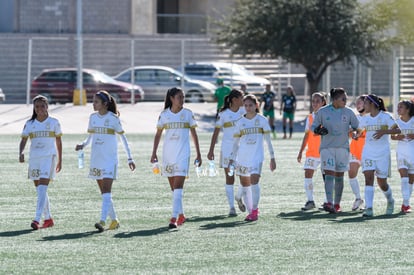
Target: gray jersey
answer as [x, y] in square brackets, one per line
[338, 122]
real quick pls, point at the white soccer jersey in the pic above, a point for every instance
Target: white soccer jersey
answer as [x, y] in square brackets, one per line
[405, 147]
[251, 133]
[376, 148]
[102, 128]
[226, 120]
[176, 146]
[42, 136]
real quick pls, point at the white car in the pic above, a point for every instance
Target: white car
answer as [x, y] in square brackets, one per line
[156, 80]
[232, 74]
[2, 96]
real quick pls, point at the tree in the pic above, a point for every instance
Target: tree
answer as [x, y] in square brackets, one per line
[313, 33]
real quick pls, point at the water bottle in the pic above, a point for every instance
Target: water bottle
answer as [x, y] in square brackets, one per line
[211, 168]
[81, 156]
[155, 168]
[231, 170]
[197, 168]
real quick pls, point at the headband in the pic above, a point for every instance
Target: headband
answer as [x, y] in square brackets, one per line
[103, 96]
[372, 100]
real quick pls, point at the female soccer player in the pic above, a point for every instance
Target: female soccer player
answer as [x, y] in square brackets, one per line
[103, 125]
[288, 107]
[355, 155]
[376, 153]
[177, 122]
[312, 142]
[45, 156]
[405, 151]
[251, 130]
[228, 115]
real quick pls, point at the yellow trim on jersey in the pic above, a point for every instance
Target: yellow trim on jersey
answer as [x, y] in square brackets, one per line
[376, 127]
[250, 131]
[177, 125]
[228, 124]
[42, 134]
[101, 130]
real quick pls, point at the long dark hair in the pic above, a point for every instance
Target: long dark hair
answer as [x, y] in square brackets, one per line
[36, 99]
[409, 105]
[235, 93]
[377, 101]
[171, 93]
[253, 99]
[109, 100]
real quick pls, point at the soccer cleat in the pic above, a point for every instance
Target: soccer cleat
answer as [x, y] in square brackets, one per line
[255, 213]
[337, 208]
[327, 206]
[100, 226]
[173, 223]
[241, 205]
[308, 205]
[34, 225]
[232, 212]
[48, 223]
[357, 204]
[181, 219]
[114, 225]
[390, 207]
[250, 218]
[368, 212]
[405, 209]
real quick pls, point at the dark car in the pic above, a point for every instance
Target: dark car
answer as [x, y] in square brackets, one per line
[57, 85]
[156, 80]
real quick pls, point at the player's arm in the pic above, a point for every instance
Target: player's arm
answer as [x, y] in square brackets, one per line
[84, 143]
[197, 145]
[59, 151]
[22, 145]
[131, 162]
[303, 146]
[157, 139]
[214, 137]
[271, 152]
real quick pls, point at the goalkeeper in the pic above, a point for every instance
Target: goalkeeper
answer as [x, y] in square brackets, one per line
[333, 123]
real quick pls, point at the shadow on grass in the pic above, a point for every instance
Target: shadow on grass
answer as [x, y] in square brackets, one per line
[210, 226]
[312, 215]
[367, 219]
[70, 236]
[203, 219]
[15, 233]
[142, 233]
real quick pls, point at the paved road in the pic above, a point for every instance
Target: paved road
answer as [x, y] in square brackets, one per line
[138, 118]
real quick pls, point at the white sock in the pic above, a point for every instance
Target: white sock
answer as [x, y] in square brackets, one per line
[248, 199]
[106, 204]
[405, 191]
[355, 187]
[308, 185]
[410, 188]
[255, 195]
[41, 198]
[230, 194]
[46, 210]
[111, 211]
[369, 196]
[388, 193]
[240, 192]
[177, 202]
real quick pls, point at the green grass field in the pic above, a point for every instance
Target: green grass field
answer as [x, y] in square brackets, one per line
[283, 241]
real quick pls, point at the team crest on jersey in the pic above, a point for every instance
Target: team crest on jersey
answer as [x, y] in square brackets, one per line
[106, 122]
[47, 126]
[257, 122]
[344, 119]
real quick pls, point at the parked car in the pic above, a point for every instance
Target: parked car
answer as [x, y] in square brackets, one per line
[58, 85]
[232, 74]
[156, 80]
[2, 96]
